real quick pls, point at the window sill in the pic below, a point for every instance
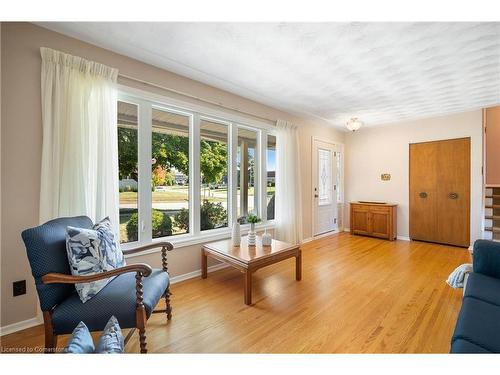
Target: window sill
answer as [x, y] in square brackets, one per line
[189, 240]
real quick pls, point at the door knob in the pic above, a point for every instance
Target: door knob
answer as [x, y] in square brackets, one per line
[453, 196]
[316, 195]
[423, 194]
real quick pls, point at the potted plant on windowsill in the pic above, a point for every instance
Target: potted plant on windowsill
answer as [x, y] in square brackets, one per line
[252, 219]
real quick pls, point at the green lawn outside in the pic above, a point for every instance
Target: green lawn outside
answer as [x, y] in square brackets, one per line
[176, 194]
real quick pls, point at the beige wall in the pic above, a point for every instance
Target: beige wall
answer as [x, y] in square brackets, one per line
[373, 151]
[22, 141]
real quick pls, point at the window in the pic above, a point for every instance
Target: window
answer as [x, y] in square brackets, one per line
[127, 171]
[325, 178]
[271, 175]
[169, 173]
[247, 172]
[184, 173]
[214, 175]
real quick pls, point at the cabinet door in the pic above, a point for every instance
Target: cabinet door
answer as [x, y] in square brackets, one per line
[380, 222]
[360, 222]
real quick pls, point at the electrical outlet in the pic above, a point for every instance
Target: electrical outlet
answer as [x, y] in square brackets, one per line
[19, 288]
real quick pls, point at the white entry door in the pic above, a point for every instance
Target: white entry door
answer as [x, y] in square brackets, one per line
[324, 187]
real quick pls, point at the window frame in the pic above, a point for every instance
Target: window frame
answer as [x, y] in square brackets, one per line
[190, 116]
[258, 163]
[146, 101]
[213, 119]
[133, 101]
[263, 153]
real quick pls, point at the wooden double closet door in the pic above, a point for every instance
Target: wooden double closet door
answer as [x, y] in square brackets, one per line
[440, 191]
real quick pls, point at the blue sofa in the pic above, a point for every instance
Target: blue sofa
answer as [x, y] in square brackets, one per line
[478, 325]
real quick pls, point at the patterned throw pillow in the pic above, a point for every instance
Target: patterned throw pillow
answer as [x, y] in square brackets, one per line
[111, 340]
[92, 251]
[81, 341]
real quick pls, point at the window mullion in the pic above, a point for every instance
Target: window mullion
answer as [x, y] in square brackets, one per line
[263, 175]
[194, 175]
[232, 174]
[145, 194]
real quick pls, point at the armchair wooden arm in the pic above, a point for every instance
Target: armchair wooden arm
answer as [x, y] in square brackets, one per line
[61, 278]
[165, 246]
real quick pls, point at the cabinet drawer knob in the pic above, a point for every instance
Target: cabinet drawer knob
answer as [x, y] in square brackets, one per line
[423, 194]
[453, 196]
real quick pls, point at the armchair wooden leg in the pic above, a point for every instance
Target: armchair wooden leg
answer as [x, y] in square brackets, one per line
[50, 338]
[140, 312]
[142, 340]
[168, 309]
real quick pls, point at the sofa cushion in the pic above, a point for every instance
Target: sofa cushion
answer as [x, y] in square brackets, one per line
[483, 287]
[461, 346]
[479, 324]
[92, 251]
[487, 258]
[117, 298]
[46, 250]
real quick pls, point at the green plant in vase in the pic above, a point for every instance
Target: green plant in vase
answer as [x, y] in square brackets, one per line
[252, 219]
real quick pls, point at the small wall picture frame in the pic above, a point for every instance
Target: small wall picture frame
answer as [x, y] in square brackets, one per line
[385, 176]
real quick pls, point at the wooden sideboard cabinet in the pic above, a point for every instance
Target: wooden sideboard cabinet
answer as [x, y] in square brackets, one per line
[374, 219]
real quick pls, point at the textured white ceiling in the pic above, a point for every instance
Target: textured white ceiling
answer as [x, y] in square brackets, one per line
[379, 72]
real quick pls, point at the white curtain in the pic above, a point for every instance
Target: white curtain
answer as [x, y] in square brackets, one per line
[80, 152]
[288, 184]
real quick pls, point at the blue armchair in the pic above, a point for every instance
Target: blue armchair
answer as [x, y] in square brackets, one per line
[478, 325]
[131, 296]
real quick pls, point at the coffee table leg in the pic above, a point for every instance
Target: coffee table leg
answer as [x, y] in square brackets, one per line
[298, 266]
[204, 268]
[248, 287]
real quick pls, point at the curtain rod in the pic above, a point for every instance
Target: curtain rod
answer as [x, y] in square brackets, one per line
[196, 98]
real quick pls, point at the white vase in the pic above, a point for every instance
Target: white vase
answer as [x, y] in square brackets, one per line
[267, 239]
[251, 235]
[236, 234]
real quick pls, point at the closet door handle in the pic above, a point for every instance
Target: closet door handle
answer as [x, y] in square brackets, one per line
[453, 196]
[423, 194]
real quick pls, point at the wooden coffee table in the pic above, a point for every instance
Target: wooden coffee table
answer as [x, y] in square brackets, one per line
[249, 259]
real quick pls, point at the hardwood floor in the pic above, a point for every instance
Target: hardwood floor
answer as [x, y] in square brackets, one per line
[357, 295]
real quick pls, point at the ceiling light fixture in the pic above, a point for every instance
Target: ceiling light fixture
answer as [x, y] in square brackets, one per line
[354, 124]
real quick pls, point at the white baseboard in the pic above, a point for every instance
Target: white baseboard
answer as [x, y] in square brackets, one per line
[19, 326]
[306, 240]
[309, 239]
[197, 273]
[327, 234]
